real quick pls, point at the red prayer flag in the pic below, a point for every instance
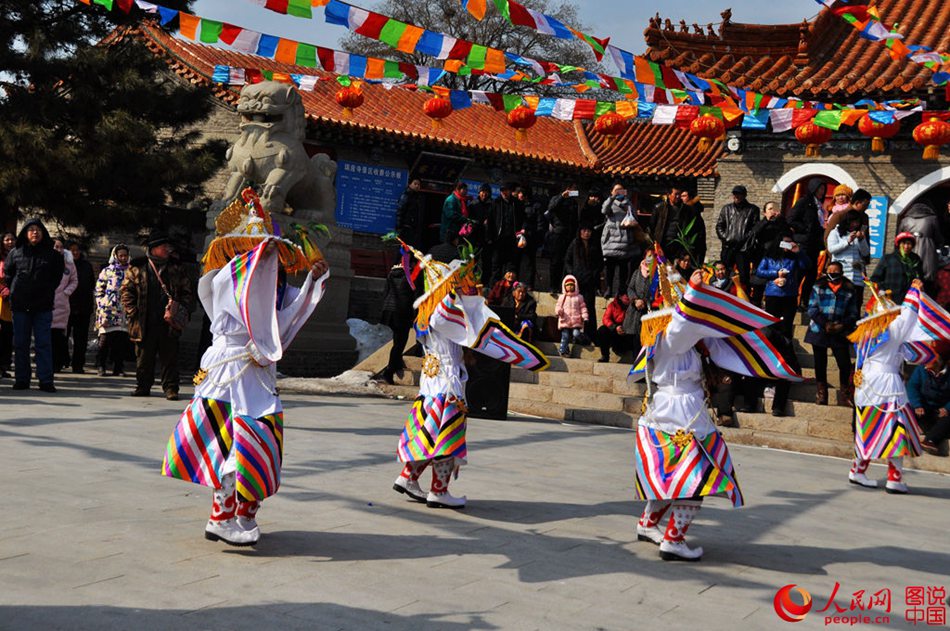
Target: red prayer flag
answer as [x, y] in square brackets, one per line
[372, 26]
[802, 116]
[229, 33]
[584, 109]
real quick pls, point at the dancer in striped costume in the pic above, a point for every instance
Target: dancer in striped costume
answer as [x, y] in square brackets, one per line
[681, 458]
[451, 315]
[230, 437]
[885, 424]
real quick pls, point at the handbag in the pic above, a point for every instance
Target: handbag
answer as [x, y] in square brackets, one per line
[176, 317]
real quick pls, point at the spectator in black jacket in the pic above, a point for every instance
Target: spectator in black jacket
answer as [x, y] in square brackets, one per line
[533, 233]
[504, 223]
[411, 215]
[81, 307]
[585, 260]
[398, 315]
[478, 213]
[736, 221]
[807, 219]
[561, 216]
[664, 222]
[770, 228]
[33, 271]
[590, 213]
[693, 227]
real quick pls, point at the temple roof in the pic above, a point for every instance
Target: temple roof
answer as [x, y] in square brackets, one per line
[824, 58]
[643, 150]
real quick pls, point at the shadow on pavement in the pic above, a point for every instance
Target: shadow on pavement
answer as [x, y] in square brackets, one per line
[316, 615]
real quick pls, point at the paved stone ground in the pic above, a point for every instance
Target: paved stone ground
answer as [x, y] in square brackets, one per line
[94, 538]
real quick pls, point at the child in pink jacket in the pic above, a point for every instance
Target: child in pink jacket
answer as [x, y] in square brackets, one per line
[571, 313]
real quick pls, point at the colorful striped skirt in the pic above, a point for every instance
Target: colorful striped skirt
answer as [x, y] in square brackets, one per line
[435, 429]
[886, 431]
[203, 440]
[682, 466]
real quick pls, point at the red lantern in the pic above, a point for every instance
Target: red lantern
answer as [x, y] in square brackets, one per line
[437, 108]
[521, 118]
[610, 125]
[813, 137]
[708, 128]
[349, 99]
[877, 132]
[931, 134]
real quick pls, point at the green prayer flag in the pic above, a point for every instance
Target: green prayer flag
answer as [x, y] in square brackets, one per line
[511, 101]
[391, 32]
[106, 3]
[299, 8]
[502, 6]
[391, 70]
[344, 80]
[306, 55]
[657, 75]
[210, 31]
[268, 74]
[476, 58]
[830, 119]
[604, 107]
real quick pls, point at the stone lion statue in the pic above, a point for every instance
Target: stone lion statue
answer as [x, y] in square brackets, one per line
[270, 151]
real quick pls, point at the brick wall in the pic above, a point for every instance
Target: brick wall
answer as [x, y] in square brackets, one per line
[761, 165]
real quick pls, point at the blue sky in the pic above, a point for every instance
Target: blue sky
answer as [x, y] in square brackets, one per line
[622, 20]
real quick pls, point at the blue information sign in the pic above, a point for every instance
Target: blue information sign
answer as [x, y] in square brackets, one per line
[367, 195]
[877, 225]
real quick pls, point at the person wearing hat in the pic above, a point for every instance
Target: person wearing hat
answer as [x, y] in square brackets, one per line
[230, 436]
[150, 284]
[841, 199]
[885, 423]
[807, 219]
[898, 269]
[450, 316]
[735, 224]
[681, 457]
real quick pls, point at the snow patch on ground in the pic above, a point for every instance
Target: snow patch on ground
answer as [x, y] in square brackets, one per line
[351, 382]
[369, 337]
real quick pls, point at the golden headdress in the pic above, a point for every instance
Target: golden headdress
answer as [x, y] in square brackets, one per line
[441, 279]
[242, 225]
[881, 311]
[669, 291]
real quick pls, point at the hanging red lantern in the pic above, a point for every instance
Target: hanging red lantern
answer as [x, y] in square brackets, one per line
[877, 131]
[813, 137]
[708, 128]
[522, 119]
[931, 134]
[349, 98]
[437, 108]
[610, 125]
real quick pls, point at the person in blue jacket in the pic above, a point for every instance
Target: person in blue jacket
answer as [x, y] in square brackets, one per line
[783, 266]
[928, 391]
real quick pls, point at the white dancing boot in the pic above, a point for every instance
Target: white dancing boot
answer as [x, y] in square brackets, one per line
[439, 496]
[858, 474]
[222, 525]
[408, 481]
[673, 547]
[246, 518]
[895, 477]
[648, 524]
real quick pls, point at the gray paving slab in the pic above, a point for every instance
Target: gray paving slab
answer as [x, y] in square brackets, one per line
[92, 537]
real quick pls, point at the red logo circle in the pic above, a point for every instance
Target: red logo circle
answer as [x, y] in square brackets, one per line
[787, 609]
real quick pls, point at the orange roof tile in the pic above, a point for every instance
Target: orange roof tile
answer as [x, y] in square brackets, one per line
[644, 149]
[825, 58]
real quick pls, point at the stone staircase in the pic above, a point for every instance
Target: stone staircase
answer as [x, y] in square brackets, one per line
[579, 389]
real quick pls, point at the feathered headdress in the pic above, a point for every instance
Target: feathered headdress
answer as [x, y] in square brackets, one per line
[243, 224]
[881, 311]
[441, 279]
